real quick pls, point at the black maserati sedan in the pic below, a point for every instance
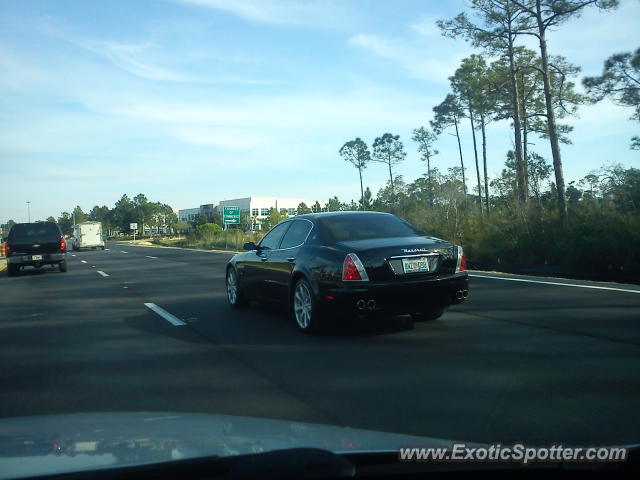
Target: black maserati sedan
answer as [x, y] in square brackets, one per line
[353, 263]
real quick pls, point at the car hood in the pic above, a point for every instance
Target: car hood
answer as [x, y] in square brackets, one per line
[65, 443]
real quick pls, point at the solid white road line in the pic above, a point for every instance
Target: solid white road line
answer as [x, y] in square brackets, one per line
[102, 273]
[149, 256]
[596, 287]
[83, 261]
[73, 255]
[175, 321]
[122, 251]
[107, 249]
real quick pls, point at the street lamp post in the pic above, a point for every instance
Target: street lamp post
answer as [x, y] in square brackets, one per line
[29, 210]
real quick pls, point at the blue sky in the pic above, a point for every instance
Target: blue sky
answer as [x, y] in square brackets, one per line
[195, 101]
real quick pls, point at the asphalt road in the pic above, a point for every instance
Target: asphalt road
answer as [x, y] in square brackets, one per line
[519, 361]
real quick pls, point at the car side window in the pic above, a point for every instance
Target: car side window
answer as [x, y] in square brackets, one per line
[297, 234]
[272, 239]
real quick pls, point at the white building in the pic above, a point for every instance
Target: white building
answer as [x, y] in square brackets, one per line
[188, 214]
[259, 207]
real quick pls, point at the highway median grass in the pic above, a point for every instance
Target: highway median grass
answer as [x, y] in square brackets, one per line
[231, 240]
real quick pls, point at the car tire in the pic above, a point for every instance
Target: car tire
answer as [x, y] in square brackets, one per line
[235, 295]
[62, 266]
[305, 308]
[427, 315]
[12, 270]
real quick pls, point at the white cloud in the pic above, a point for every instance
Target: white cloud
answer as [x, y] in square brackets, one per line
[16, 73]
[596, 35]
[313, 13]
[287, 113]
[376, 44]
[426, 26]
[132, 59]
[153, 60]
[602, 120]
[129, 57]
[227, 138]
[421, 59]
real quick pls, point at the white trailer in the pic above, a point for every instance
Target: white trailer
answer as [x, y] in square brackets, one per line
[88, 235]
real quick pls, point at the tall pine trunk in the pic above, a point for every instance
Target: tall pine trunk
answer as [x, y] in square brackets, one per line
[361, 190]
[475, 152]
[393, 190]
[525, 153]
[464, 182]
[551, 122]
[484, 161]
[515, 100]
[429, 183]
[525, 136]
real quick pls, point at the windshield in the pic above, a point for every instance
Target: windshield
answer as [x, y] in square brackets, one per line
[344, 228]
[412, 217]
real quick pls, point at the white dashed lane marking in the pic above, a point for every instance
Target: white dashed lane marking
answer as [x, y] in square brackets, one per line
[173, 320]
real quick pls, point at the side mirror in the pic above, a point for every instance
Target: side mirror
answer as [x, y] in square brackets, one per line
[250, 246]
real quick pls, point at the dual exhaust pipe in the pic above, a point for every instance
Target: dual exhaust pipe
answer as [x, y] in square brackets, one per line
[362, 304]
[462, 294]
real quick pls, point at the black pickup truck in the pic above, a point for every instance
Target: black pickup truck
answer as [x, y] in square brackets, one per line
[35, 244]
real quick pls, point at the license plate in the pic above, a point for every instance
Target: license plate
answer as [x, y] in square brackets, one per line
[414, 265]
[36, 257]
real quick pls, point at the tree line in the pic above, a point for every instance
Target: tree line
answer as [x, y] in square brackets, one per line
[525, 215]
[155, 216]
[509, 217]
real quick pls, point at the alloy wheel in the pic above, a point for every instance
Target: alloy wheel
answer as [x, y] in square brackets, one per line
[302, 305]
[232, 287]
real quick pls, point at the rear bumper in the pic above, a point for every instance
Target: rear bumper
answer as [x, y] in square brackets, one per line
[27, 260]
[398, 298]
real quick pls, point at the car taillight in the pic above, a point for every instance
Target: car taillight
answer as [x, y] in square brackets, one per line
[63, 245]
[353, 270]
[461, 266]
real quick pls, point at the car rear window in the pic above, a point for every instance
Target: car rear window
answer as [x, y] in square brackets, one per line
[43, 232]
[344, 228]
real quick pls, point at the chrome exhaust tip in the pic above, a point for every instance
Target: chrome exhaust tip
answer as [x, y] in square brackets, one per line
[459, 295]
[361, 304]
[371, 304]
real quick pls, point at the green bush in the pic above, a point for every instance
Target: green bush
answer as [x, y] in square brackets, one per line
[207, 230]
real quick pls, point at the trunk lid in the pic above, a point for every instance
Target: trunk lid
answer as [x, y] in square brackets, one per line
[391, 259]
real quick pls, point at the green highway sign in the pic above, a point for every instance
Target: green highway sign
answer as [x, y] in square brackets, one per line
[231, 215]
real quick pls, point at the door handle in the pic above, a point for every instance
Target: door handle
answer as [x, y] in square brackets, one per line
[290, 259]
